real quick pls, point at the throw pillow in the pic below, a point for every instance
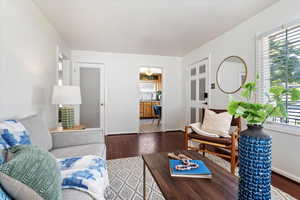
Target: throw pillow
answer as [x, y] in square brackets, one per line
[3, 150]
[217, 123]
[32, 173]
[4, 195]
[14, 133]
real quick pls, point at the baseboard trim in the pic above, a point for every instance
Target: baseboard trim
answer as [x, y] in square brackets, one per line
[121, 133]
[173, 130]
[134, 133]
[286, 174]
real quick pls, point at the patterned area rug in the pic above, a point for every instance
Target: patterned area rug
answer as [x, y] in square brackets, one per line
[126, 180]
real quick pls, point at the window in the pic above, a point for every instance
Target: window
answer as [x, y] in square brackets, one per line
[147, 86]
[279, 64]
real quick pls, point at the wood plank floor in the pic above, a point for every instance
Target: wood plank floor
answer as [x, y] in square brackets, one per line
[122, 146]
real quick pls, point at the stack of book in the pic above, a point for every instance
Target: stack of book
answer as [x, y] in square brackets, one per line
[201, 172]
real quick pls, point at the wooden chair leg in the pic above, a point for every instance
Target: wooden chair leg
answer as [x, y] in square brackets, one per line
[186, 138]
[203, 148]
[233, 154]
[233, 165]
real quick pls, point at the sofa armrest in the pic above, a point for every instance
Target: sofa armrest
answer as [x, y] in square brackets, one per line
[75, 138]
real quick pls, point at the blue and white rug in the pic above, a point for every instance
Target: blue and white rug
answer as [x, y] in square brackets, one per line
[126, 180]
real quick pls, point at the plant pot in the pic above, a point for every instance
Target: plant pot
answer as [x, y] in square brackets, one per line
[255, 148]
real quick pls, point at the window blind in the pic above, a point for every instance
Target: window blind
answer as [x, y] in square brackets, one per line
[279, 64]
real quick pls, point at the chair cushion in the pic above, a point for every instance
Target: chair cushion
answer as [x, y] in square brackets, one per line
[81, 150]
[226, 141]
[39, 134]
[196, 127]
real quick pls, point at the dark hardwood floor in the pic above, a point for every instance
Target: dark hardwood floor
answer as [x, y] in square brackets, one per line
[121, 146]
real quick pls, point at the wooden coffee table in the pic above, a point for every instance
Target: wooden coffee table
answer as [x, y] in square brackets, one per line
[223, 184]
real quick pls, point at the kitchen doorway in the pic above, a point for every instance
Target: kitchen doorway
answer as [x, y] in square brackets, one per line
[150, 94]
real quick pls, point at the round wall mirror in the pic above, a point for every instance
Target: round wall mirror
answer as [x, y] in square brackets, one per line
[231, 74]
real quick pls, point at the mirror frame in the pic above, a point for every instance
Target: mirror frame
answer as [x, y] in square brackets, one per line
[246, 74]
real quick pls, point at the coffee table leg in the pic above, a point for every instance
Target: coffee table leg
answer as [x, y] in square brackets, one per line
[144, 180]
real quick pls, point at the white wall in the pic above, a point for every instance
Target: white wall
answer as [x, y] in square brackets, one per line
[122, 77]
[241, 41]
[28, 61]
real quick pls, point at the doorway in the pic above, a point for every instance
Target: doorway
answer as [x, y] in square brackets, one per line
[90, 78]
[150, 96]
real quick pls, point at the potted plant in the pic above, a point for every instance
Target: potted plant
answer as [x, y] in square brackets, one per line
[254, 142]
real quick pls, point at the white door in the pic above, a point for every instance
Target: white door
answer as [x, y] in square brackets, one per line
[90, 78]
[198, 89]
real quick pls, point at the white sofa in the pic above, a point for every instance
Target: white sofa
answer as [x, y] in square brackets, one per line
[67, 144]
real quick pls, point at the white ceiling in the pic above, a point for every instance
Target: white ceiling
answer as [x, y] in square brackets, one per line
[158, 27]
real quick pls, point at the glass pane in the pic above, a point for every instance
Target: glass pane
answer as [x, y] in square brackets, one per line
[147, 87]
[90, 94]
[193, 71]
[193, 90]
[281, 66]
[202, 69]
[201, 89]
[193, 115]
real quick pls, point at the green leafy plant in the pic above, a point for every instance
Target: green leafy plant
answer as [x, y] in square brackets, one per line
[258, 113]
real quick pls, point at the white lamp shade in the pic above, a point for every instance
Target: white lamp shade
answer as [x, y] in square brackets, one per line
[66, 95]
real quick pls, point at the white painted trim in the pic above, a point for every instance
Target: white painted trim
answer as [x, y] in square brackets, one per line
[283, 128]
[286, 174]
[209, 81]
[162, 102]
[87, 130]
[278, 28]
[188, 80]
[173, 130]
[121, 132]
[103, 93]
[134, 132]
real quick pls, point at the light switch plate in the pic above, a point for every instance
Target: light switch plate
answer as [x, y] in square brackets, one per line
[213, 86]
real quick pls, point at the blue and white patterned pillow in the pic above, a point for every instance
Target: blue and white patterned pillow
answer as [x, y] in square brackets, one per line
[87, 173]
[3, 195]
[14, 133]
[3, 147]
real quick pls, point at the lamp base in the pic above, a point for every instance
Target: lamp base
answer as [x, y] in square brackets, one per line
[67, 117]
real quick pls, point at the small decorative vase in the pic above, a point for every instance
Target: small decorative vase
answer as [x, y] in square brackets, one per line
[255, 148]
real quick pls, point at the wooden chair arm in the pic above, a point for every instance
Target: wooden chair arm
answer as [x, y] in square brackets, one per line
[187, 127]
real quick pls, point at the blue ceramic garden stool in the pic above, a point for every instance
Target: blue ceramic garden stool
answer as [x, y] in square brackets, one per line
[255, 149]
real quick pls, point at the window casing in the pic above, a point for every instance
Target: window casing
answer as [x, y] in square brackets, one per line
[278, 61]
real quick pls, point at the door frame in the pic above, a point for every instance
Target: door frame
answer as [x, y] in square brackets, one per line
[103, 97]
[188, 85]
[162, 102]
